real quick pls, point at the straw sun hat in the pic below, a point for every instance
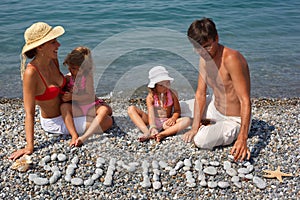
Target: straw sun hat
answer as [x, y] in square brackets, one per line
[36, 35]
[158, 74]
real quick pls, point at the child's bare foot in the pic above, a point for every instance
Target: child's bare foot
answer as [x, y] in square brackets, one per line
[78, 142]
[144, 137]
[159, 137]
[73, 141]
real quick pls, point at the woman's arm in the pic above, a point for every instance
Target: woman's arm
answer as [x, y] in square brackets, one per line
[29, 90]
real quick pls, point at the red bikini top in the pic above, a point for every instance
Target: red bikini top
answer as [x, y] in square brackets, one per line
[50, 92]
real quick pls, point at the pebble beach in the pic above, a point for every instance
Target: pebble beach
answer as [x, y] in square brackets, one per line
[115, 165]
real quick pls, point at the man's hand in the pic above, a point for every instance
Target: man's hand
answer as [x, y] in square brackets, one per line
[240, 150]
[188, 136]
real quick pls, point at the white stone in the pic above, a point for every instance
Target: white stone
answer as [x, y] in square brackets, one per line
[260, 183]
[214, 163]
[95, 176]
[249, 176]
[238, 184]
[243, 171]
[156, 185]
[203, 183]
[68, 177]
[61, 157]
[41, 181]
[54, 156]
[179, 165]
[163, 164]
[231, 172]
[155, 164]
[88, 182]
[212, 184]
[250, 168]
[223, 184]
[31, 177]
[172, 172]
[235, 179]
[204, 161]
[210, 170]
[99, 171]
[198, 165]
[187, 162]
[226, 165]
[76, 181]
[75, 160]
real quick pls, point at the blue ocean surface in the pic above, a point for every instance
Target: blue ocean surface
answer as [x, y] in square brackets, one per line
[129, 37]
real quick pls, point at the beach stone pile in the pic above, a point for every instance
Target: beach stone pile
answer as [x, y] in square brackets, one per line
[115, 165]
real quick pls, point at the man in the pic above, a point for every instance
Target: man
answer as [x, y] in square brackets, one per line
[226, 72]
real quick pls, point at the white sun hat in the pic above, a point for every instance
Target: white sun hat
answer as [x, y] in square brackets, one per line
[158, 74]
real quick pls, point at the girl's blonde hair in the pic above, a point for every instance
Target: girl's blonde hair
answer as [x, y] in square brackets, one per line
[80, 56]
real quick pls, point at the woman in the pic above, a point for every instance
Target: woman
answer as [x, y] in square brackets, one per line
[42, 84]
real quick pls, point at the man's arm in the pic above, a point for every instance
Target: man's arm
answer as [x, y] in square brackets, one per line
[237, 67]
[199, 105]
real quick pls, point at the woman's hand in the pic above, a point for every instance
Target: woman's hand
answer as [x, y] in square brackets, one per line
[67, 96]
[21, 152]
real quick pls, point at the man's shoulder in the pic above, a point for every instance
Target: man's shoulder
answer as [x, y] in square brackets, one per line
[232, 55]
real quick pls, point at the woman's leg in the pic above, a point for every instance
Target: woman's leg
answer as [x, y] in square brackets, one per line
[98, 124]
[68, 110]
[140, 119]
[181, 124]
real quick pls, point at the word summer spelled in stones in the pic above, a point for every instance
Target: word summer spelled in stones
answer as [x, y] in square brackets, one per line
[199, 172]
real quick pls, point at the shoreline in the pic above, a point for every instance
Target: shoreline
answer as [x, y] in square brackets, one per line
[273, 141]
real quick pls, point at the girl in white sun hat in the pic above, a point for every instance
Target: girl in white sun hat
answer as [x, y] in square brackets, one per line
[163, 107]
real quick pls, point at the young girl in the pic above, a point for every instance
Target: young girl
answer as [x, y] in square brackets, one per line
[80, 90]
[163, 107]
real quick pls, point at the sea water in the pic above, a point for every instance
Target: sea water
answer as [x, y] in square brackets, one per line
[127, 38]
